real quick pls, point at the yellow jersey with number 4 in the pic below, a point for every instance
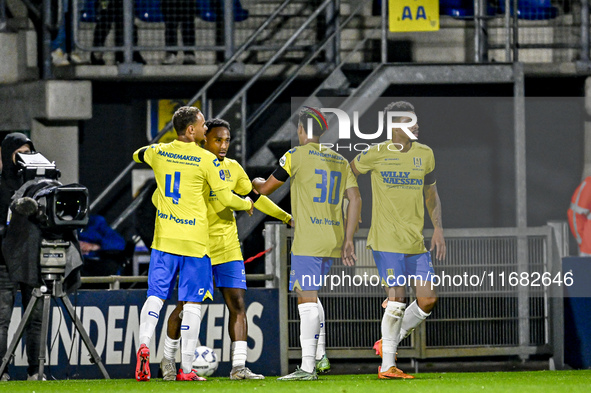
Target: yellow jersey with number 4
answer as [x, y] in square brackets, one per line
[184, 174]
[319, 179]
[397, 181]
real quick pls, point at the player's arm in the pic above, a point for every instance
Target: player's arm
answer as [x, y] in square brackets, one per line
[267, 206]
[352, 222]
[277, 178]
[266, 187]
[354, 168]
[233, 201]
[356, 172]
[139, 154]
[262, 203]
[433, 204]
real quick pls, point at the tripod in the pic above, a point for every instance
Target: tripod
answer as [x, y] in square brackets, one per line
[52, 270]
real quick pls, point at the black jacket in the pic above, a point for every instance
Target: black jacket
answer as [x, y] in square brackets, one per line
[21, 242]
[10, 181]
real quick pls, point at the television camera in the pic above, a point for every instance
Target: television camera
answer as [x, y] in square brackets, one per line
[57, 210]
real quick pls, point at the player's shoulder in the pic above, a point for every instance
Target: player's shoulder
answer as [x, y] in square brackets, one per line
[328, 152]
[155, 146]
[286, 155]
[164, 145]
[422, 147]
[232, 164]
[293, 150]
[208, 157]
[373, 150]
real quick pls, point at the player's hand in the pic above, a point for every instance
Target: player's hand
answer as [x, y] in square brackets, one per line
[251, 206]
[438, 244]
[385, 303]
[86, 247]
[256, 182]
[292, 223]
[348, 253]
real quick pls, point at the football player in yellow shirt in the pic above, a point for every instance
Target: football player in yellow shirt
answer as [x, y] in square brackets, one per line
[402, 170]
[185, 174]
[320, 179]
[226, 257]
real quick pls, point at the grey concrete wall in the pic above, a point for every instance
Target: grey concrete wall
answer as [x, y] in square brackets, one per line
[59, 144]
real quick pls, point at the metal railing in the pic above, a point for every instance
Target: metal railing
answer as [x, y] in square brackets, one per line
[502, 30]
[514, 321]
[558, 33]
[150, 26]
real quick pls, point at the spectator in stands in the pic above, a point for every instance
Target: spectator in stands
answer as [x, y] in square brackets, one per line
[104, 249]
[111, 12]
[179, 13]
[61, 46]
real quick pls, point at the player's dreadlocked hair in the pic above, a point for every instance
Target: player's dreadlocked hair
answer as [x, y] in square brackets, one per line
[213, 123]
[184, 117]
[319, 122]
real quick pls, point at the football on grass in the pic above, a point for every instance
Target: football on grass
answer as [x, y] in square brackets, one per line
[205, 362]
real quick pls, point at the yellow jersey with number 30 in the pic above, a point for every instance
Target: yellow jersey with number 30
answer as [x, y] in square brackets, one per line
[319, 179]
[397, 181]
[185, 173]
[223, 232]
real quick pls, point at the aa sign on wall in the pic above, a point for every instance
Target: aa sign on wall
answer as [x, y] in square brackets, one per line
[413, 15]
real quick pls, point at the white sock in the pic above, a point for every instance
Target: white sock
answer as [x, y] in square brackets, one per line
[321, 348]
[239, 354]
[390, 332]
[189, 334]
[309, 331]
[149, 319]
[170, 347]
[413, 317]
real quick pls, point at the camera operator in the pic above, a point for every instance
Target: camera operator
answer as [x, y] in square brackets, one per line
[10, 182]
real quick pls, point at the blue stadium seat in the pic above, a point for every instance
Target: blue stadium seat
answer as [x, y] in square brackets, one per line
[149, 10]
[208, 12]
[532, 9]
[462, 9]
[88, 11]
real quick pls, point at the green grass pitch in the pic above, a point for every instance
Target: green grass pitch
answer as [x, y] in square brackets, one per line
[505, 382]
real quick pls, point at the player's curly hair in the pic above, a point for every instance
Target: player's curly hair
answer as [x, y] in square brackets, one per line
[213, 123]
[398, 106]
[184, 117]
[319, 122]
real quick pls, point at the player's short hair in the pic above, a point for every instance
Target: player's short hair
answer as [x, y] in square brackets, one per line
[398, 106]
[319, 122]
[184, 117]
[213, 123]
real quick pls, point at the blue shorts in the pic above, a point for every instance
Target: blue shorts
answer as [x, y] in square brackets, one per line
[397, 269]
[307, 273]
[229, 275]
[195, 283]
